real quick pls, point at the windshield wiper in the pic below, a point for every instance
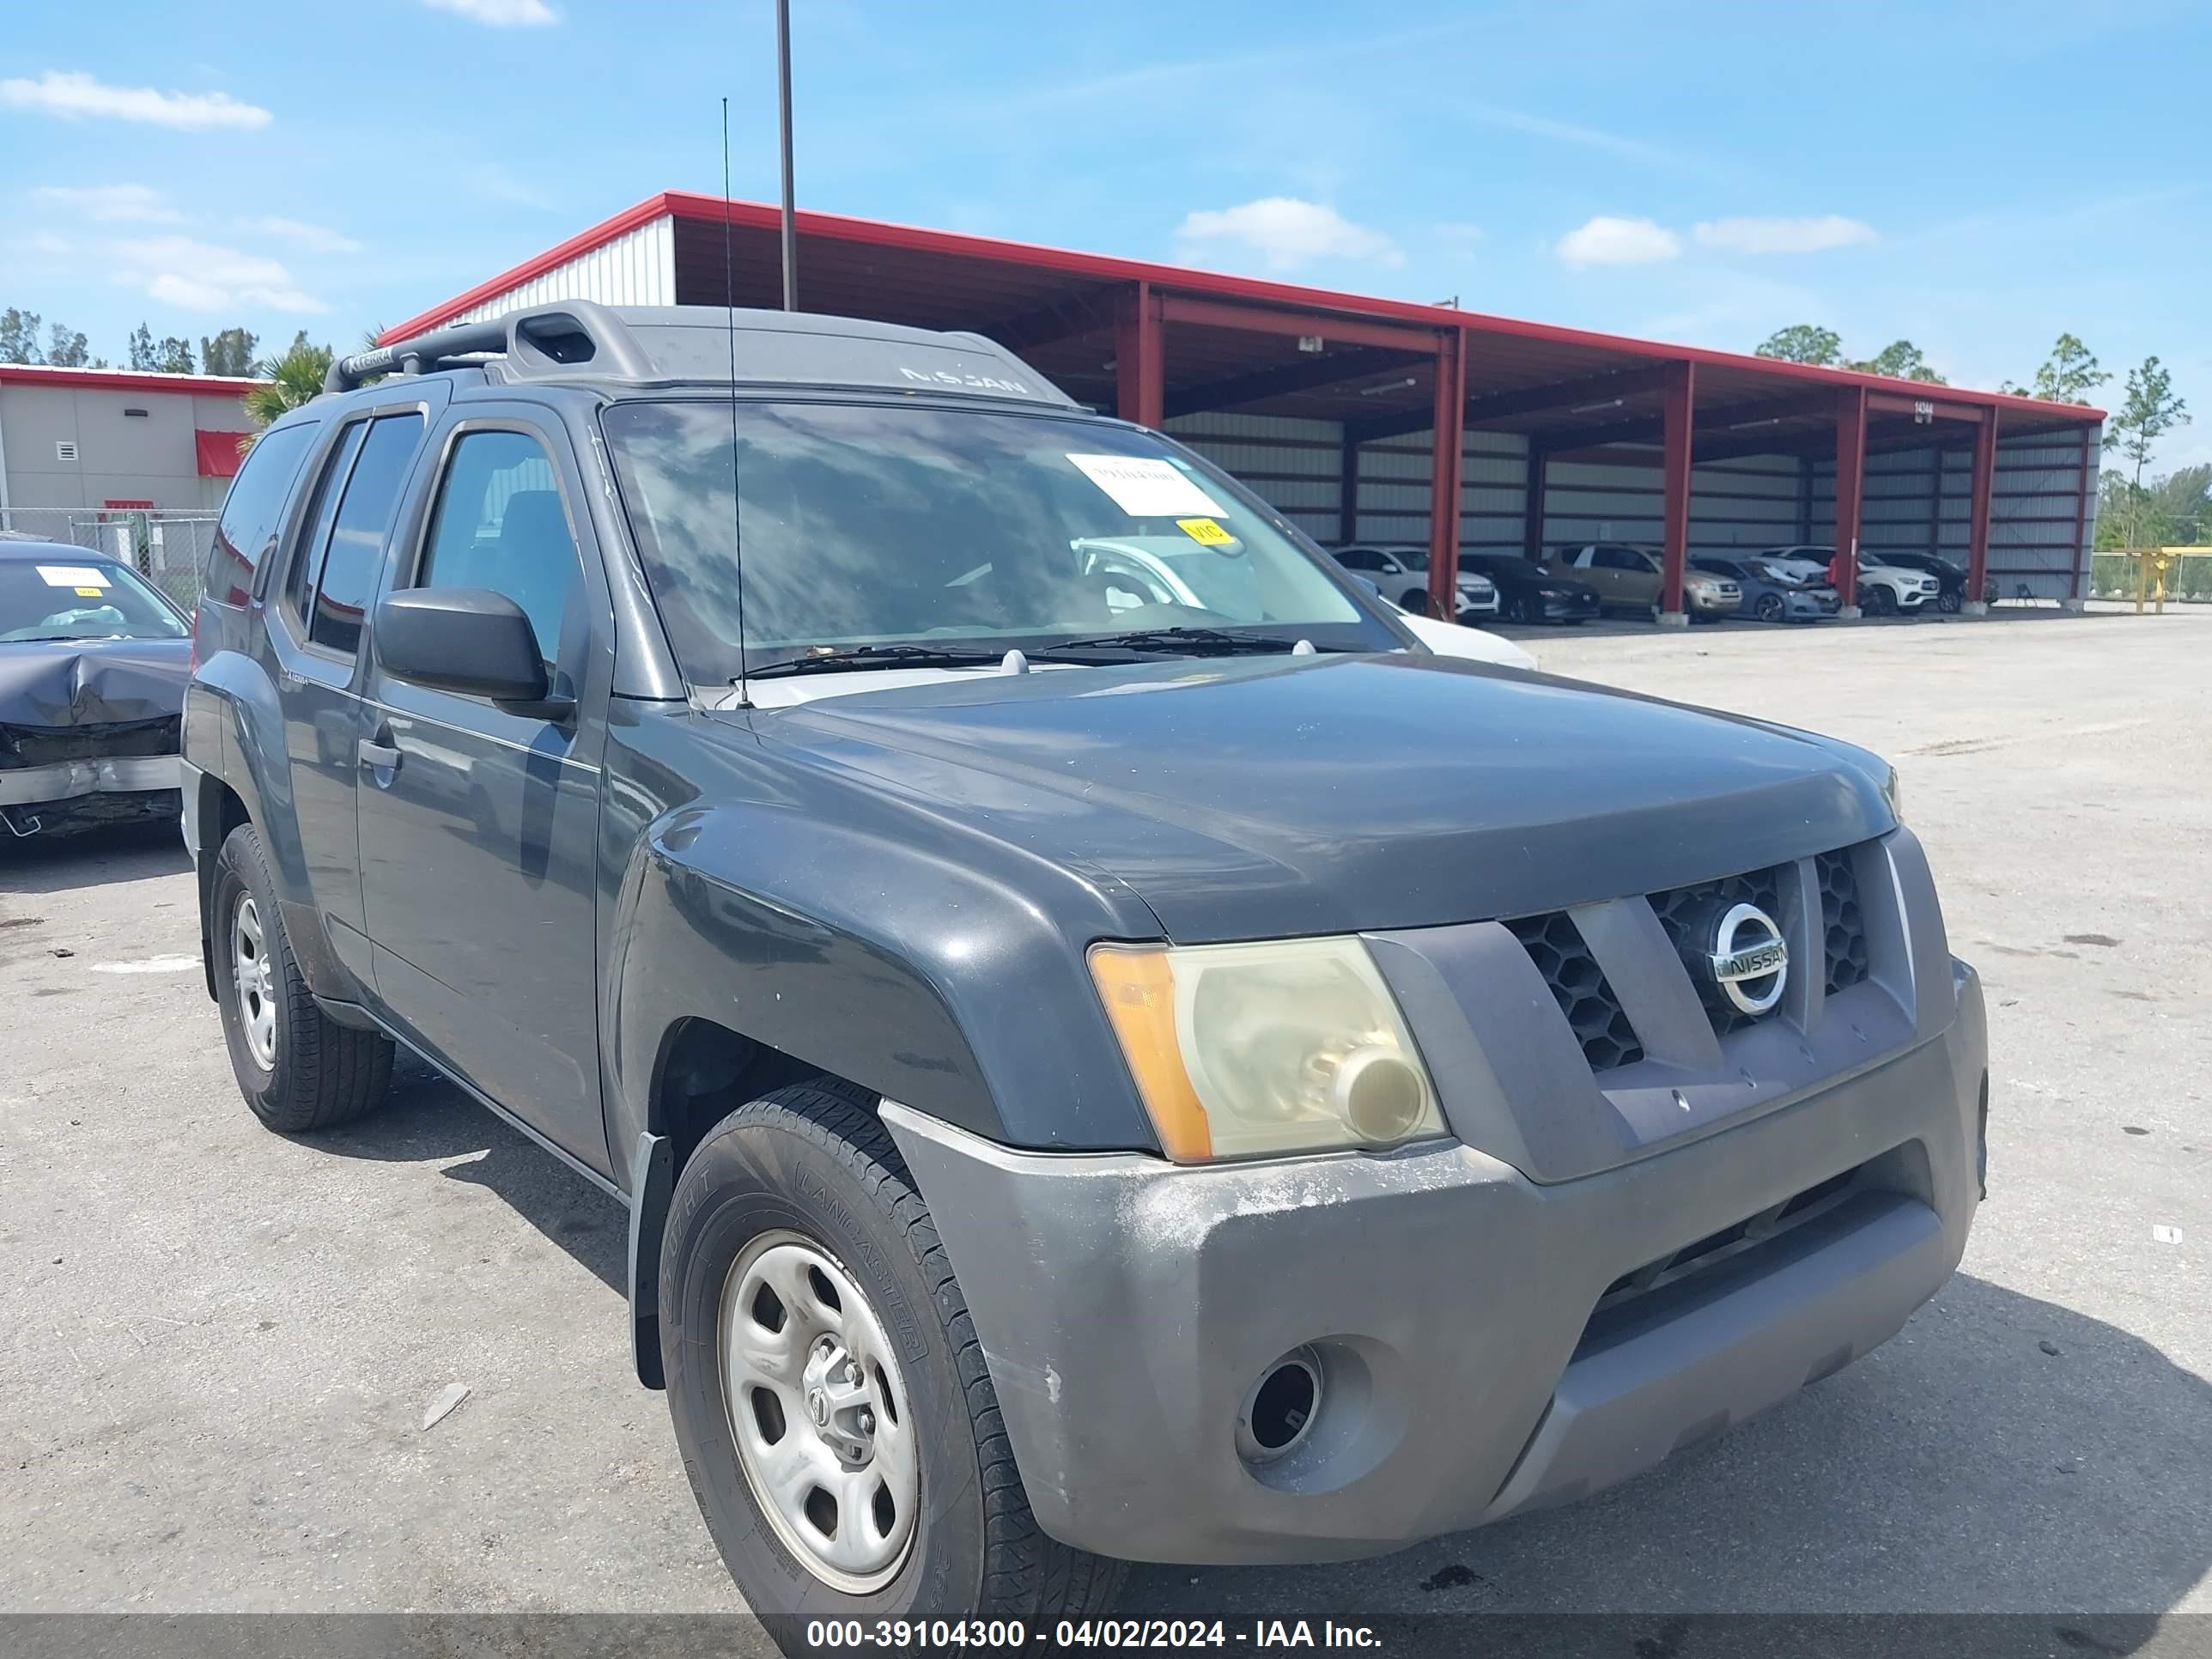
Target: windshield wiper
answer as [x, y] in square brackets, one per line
[1180, 642]
[904, 656]
[1191, 642]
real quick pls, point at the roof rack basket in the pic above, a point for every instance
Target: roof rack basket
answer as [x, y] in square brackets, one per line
[544, 338]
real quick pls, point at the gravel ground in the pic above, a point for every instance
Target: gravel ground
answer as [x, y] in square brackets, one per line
[220, 1345]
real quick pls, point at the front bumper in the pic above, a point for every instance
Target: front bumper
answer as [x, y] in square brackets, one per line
[1126, 1306]
[1580, 609]
[60, 781]
[1706, 602]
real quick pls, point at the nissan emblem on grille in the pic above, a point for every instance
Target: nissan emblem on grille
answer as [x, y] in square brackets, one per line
[1750, 964]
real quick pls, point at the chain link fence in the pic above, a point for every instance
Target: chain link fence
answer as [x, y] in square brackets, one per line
[2117, 575]
[168, 548]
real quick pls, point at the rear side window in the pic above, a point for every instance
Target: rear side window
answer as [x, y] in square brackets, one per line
[356, 553]
[251, 511]
[315, 532]
[500, 526]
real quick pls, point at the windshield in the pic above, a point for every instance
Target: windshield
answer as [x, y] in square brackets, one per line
[74, 597]
[868, 525]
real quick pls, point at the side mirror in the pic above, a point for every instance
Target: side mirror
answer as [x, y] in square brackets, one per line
[471, 640]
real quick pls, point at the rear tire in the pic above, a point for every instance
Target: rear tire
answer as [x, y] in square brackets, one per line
[298, 1068]
[1950, 600]
[1879, 602]
[810, 1168]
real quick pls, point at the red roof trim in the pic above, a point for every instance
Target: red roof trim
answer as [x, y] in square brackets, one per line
[1098, 267]
[125, 379]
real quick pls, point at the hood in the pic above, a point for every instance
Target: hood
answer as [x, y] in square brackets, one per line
[92, 682]
[1266, 797]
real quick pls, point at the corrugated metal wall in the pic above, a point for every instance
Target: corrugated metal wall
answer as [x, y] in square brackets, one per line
[1915, 499]
[638, 268]
[1394, 491]
[1752, 503]
[1295, 464]
[1290, 464]
[1297, 467]
[1918, 501]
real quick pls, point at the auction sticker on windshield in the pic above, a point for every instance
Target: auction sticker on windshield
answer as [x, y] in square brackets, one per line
[1206, 532]
[82, 577]
[1145, 488]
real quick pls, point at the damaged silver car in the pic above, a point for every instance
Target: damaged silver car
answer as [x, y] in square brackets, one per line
[93, 661]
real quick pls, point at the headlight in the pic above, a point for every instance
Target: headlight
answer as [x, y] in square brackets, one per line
[1893, 793]
[1248, 1050]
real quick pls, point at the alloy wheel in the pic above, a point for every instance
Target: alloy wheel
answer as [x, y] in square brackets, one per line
[253, 974]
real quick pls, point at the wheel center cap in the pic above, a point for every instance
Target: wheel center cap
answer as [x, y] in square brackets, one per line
[818, 1407]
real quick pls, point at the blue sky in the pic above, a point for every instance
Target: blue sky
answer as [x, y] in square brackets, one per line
[1976, 177]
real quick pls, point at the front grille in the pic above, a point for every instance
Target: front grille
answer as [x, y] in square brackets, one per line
[46, 745]
[1843, 925]
[1578, 985]
[1682, 910]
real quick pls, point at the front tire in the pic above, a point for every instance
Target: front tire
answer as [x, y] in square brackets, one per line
[1770, 607]
[802, 1194]
[1879, 602]
[298, 1068]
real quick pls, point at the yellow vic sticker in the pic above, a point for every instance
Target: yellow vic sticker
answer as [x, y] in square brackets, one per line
[87, 592]
[1205, 531]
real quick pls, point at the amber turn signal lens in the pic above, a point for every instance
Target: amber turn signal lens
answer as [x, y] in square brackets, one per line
[1137, 985]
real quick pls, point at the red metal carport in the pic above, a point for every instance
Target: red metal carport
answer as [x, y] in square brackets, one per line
[1155, 342]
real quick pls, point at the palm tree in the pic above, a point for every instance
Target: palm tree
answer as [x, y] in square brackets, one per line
[286, 382]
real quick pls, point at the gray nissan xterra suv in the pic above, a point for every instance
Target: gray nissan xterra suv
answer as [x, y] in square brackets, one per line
[1111, 1050]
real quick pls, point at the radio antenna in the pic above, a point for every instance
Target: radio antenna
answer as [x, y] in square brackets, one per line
[730, 310]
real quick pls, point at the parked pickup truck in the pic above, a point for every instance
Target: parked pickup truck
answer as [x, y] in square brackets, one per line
[1092, 1077]
[1628, 578]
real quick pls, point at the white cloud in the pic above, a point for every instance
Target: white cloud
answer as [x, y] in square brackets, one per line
[499, 13]
[494, 182]
[111, 203]
[316, 239]
[46, 242]
[1605, 240]
[1806, 235]
[74, 95]
[202, 276]
[1286, 233]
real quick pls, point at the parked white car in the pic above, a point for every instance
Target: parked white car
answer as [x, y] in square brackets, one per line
[1400, 575]
[1456, 640]
[1885, 589]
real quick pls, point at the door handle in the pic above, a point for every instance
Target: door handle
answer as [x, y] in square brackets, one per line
[382, 757]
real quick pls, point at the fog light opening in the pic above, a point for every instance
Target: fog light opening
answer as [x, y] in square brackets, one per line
[1279, 1411]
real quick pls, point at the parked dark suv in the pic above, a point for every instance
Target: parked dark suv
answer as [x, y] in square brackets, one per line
[1109, 1050]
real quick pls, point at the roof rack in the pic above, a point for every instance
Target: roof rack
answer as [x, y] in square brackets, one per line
[544, 338]
[709, 345]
